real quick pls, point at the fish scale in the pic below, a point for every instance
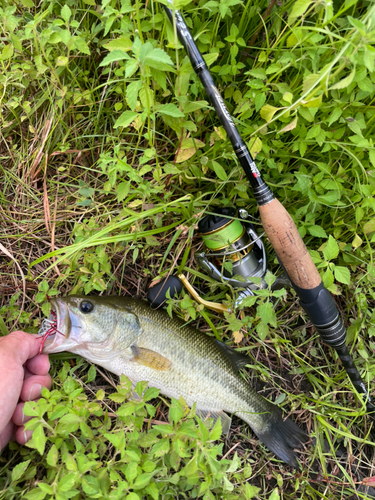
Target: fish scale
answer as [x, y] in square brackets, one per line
[126, 336]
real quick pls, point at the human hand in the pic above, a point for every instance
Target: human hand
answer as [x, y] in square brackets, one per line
[22, 376]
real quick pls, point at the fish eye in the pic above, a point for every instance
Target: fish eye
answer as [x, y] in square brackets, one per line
[86, 306]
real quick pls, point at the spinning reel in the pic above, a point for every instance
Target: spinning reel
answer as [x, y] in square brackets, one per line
[234, 255]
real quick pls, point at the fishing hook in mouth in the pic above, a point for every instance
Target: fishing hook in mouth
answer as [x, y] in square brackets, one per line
[52, 330]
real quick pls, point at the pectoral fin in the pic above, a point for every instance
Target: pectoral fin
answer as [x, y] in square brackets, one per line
[149, 358]
[225, 419]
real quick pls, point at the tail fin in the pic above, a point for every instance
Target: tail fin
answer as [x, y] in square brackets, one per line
[281, 437]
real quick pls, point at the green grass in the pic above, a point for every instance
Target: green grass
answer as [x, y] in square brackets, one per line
[107, 159]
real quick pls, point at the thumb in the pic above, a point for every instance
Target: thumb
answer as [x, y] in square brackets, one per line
[19, 346]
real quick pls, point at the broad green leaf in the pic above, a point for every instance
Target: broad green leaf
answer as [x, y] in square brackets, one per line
[91, 376]
[122, 43]
[275, 495]
[259, 100]
[46, 488]
[369, 227]
[328, 10]
[131, 471]
[35, 494]
[313, 103]
[342, 275]
[65, 36]
[262, 330]
[152, 490]
[132, 93]
[176, 411]
[90, 485]
[7, 52]
[219, 170]
[66, 13]
[331, 250]
[52, 456]
[256, 147]
[369, 57]
[142, 480]
[357, 242]
[115, 55]
[38, 441]
[68, 423]
[345, 82]
[160, 448]
[299, 8]
[191, 106]
[122, 190]
[19, 470]
[151, 393]
[81, 45]
[146, 95]
[125, 119]
[171, 110]
[372, 156]
[334, 116]
[267, 112]
[210, 58]
[132, 496]
[292, 125]
[359, 213]
[317, 231]
[67, 481]
[158, 59]
[357, 24]
[215, 432]
[251, 491]
[258, 73]
[131, 67]
[328, 278]
[188, 148]
[62, 61]
[309, 81]
[267, 313]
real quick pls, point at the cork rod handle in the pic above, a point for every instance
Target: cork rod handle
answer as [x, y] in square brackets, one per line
[289, 247]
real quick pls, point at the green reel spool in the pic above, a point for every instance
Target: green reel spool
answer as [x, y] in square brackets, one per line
[224, 236]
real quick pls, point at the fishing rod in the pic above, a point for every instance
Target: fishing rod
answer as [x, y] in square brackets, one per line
[278, 225]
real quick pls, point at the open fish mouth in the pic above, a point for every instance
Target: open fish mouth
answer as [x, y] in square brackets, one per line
[54, 328]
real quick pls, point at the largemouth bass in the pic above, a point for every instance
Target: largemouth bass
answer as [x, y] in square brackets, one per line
[126, 336]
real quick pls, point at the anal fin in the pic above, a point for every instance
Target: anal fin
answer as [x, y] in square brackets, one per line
[226, 421]
[152, 359]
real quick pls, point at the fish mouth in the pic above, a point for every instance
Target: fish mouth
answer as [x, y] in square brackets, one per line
[56, 329]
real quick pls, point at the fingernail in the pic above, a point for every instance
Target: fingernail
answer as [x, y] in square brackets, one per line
[35, 391]
[25, 436]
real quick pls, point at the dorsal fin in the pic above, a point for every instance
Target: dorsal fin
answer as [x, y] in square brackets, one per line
[237, 359]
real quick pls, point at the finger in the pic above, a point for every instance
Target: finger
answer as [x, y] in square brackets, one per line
[32, 387]
[39, 365]
[7, 434]
[23, 436]
[19, 347]
[15, 349]
[19, 418]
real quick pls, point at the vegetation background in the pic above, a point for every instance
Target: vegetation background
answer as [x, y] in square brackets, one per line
[109, 155]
